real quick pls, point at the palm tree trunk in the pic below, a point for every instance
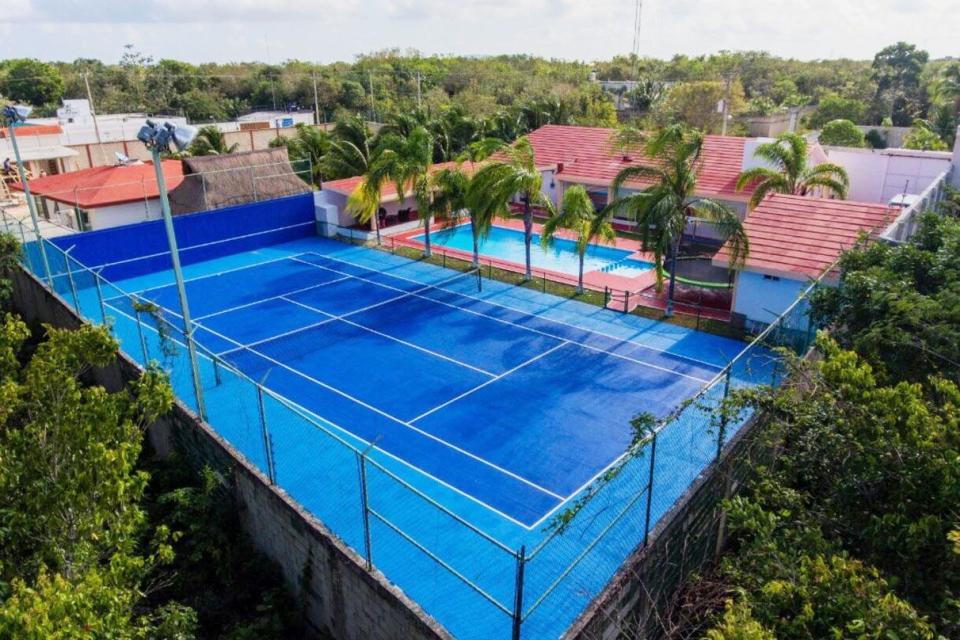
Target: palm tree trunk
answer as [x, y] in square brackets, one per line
[674, 250]
[580, 278]
[527, 234]
[476, 247]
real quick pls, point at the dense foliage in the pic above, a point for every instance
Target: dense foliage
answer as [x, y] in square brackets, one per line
[507, 96]
[92, 544]
[851, 530]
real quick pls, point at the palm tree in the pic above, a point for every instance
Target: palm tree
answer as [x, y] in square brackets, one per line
[405, 162]
[351, 149]
[578, 214]
[497, 183]
[661, 209]
[210, 141]
[307, 144]
[791, 173]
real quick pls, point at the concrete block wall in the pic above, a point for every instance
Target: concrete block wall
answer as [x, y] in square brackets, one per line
[340, 598]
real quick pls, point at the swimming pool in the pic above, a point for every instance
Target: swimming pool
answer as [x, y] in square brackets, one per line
[507, 244]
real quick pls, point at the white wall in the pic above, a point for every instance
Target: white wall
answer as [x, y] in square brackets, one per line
[876, 175]
[549, 178]
[126, 213]
[762, 299]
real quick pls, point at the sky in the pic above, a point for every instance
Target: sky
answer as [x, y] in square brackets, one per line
[329, 30]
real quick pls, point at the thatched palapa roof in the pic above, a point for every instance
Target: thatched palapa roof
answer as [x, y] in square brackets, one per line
[212, 182]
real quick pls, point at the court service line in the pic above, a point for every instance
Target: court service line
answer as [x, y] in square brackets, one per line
[528, 313]
[492, 380]
[343, 318]
[541, 332]
[393, 418]
[276, 297]
[385, 452]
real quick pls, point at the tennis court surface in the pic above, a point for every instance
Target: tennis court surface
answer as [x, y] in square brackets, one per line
[516, 411]
[438, 423]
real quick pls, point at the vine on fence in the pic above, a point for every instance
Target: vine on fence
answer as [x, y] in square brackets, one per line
[168, 346]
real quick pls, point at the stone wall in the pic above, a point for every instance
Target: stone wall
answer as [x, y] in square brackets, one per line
[688, 538]
[340, 597]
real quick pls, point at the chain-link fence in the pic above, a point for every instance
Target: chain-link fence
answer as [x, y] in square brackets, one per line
[406, 524]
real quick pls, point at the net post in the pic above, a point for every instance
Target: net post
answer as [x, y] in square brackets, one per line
[646, 519]
[722, 431]
[365, 507]
[265, 435]
[518, 593]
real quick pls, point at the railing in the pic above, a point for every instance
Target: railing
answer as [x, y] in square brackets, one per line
[388, 512]
[905, 225]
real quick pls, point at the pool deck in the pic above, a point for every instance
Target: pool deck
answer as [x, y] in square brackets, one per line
[595, 280]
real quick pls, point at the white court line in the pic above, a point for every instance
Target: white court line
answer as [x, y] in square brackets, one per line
[204, 244]
[276, 297]
[531, 329]
[411, 345]
[392, 418]
[491, 381]
[351, 434]
[703, 363]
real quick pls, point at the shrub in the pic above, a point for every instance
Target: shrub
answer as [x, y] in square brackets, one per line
[841, 133]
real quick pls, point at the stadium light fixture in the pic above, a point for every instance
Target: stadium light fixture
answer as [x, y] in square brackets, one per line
[16, 115]
[158, 139]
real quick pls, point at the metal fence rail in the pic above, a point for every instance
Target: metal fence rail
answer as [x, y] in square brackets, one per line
[380, 511]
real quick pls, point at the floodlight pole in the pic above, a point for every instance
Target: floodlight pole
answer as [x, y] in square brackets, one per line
[31, 206]
[178, 276]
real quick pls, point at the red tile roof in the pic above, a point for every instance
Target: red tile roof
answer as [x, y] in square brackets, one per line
[587, 156]
[801, 236]
[105, 186]
[388, 191]
[34, 130]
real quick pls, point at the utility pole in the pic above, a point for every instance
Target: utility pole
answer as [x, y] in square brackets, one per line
[316, 100]
[93, 114]
[728, 78]
[419, 92]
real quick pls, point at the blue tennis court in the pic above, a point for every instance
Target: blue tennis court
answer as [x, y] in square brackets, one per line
[481, 412]
[517, 411]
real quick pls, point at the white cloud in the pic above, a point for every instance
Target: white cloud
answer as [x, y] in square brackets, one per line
[574, 29]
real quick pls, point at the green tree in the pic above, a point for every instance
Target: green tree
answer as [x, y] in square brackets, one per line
[308, 146]
[407, 161]
[351, 149]
[31, 81]
[922, 136]
[834, 106]
[896, 72]
[695, 103]
[627, 140]
[841, 133]
[201, 105]
[790, 172]
[210, 141]
[577, 214]
[661, 210]
[497, 183]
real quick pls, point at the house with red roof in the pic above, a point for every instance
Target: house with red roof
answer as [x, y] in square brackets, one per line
[794, 239]
[569, 155]
[103, 197]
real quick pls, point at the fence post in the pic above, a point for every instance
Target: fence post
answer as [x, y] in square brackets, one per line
[103, 308]
[216, 370]
[653, 459]
[265, 434]
[367, 547]
[626, 301]
[73, 286]
[722, 431]
[143, 340]
[544, 289]
[606, 295]
[518, 593]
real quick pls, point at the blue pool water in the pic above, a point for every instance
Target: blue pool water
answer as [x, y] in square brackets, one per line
[630, 268]
[507, 244]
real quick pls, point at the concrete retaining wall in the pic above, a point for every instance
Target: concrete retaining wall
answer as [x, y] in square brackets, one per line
[340, 597]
